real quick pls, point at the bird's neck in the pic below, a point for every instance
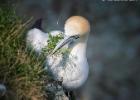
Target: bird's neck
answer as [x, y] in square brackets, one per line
[79, 49]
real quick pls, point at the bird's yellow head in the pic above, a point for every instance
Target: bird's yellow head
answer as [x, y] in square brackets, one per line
[76, 28]
[77, 25]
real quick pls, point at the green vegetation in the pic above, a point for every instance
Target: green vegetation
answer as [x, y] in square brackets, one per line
[21, 70]
[52, 42]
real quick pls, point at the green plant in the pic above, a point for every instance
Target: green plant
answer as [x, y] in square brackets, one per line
[52, 42]
[20, 70]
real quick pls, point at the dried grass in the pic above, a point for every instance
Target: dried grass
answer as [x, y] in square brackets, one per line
[20, 69]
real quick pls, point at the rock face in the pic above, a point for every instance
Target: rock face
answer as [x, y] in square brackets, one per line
[55, 91]
[113, 47]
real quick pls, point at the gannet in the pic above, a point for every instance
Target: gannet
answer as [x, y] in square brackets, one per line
[36, 38]
[71, 68]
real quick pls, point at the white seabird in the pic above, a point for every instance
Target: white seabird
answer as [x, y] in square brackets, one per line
[72, 68]
[36, 38]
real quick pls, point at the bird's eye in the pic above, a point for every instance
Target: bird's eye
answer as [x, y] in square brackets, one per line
[75, 36]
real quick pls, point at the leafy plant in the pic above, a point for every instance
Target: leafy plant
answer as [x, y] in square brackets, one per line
[52, 42]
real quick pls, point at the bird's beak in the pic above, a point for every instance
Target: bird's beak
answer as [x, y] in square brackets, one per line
[65, 41]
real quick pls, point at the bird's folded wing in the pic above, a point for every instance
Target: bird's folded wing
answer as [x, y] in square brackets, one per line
[36, 39]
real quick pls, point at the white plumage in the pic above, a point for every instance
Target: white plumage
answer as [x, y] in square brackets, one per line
[37, 39]
[72, 68]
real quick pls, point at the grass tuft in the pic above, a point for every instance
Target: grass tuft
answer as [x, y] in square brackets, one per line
[20, 70]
